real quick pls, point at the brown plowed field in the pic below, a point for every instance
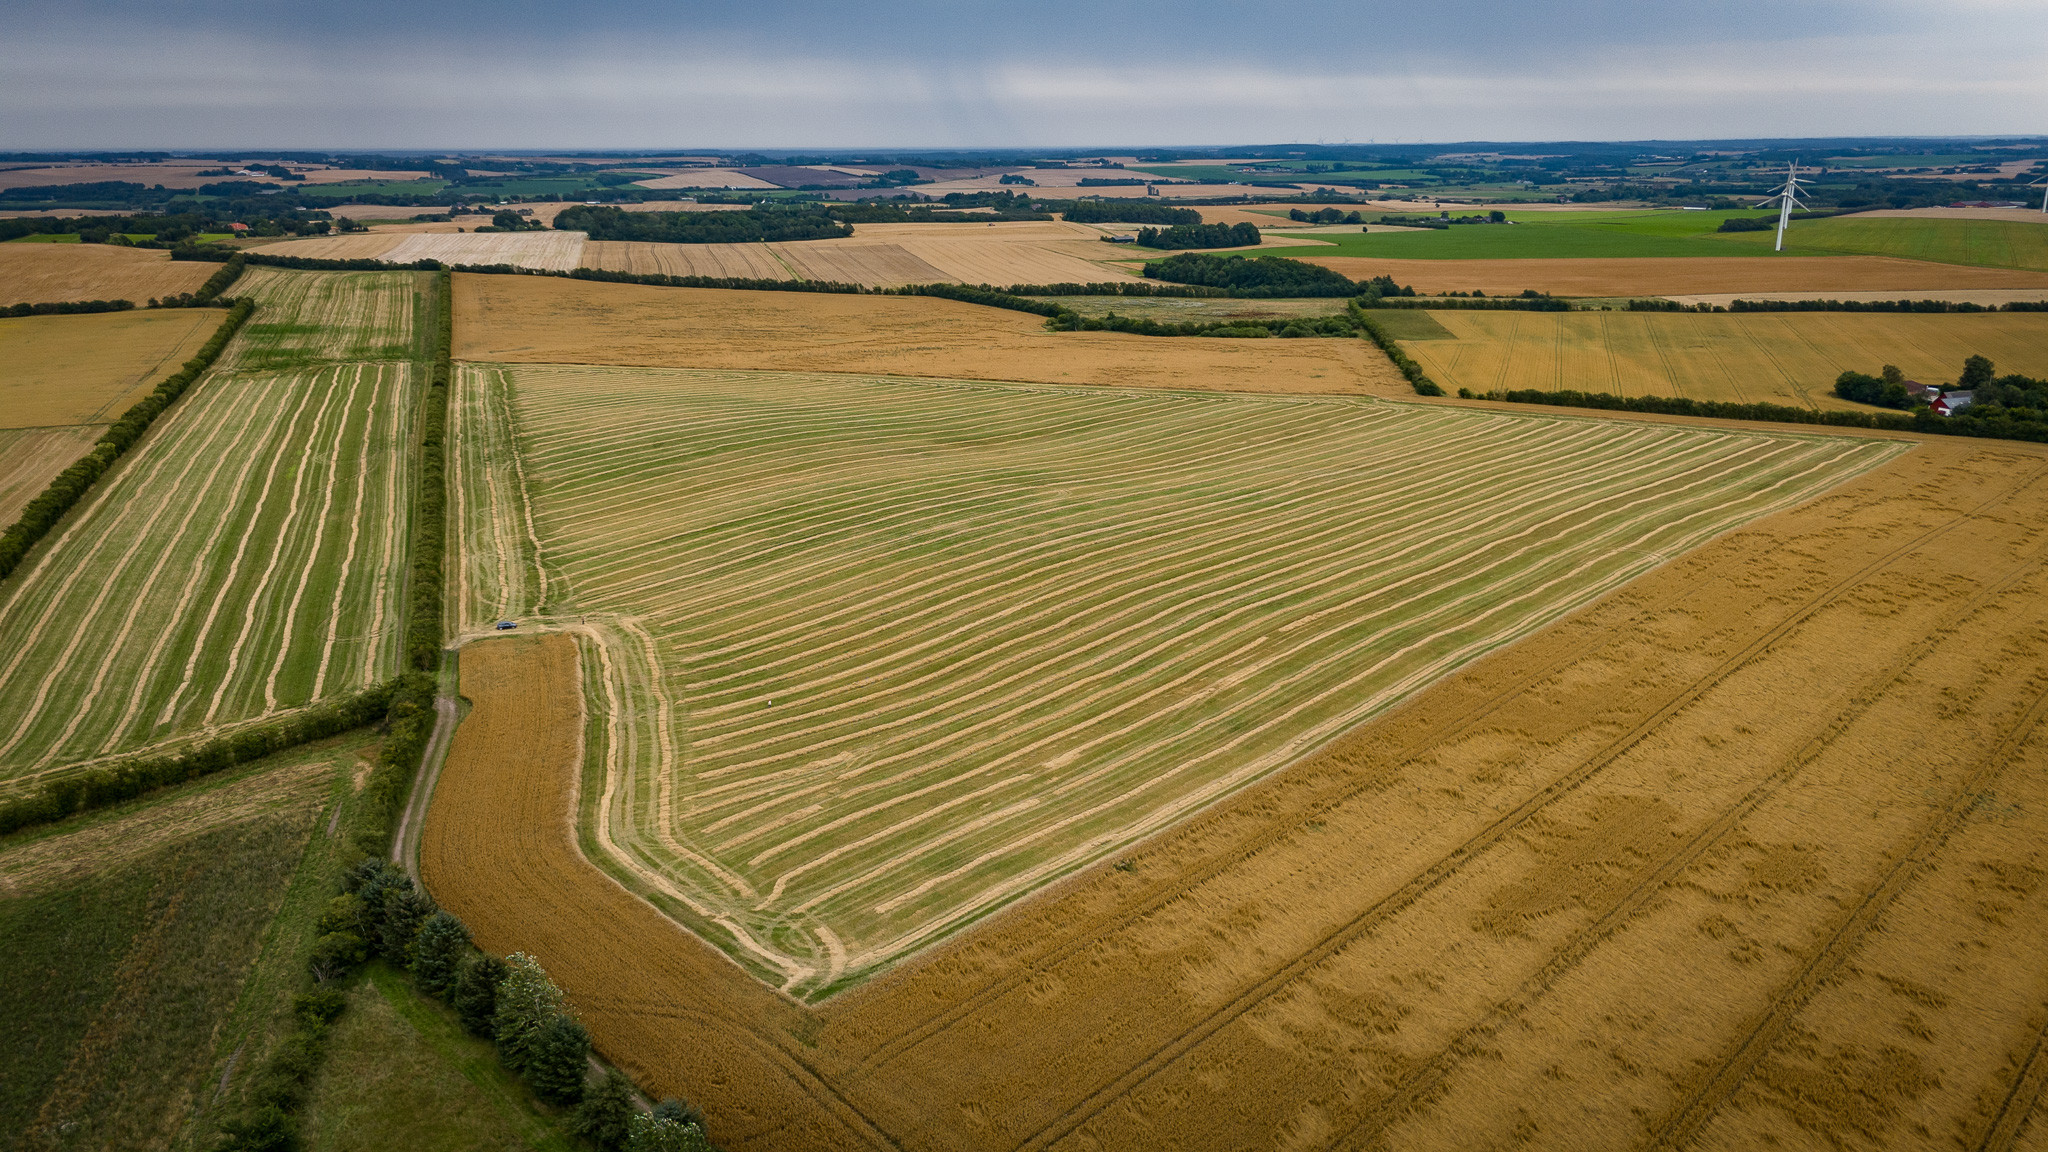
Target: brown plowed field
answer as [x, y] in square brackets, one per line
[543, 320]
[46, 273]
[1689, 276]
[1753, 851]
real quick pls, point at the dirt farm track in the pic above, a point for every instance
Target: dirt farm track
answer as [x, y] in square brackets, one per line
[1750, 853]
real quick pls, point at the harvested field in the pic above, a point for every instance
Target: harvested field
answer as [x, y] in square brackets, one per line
[533, 319]
[1170, 309]
[356, 246]
[926, 647]
[874, 265]
[1687, 276]
[60, 370]
[746, 261]
[38, 273]
[31, 457]
[1747, 853]
[245, 559]
[1777, 358]
[315, 317]
[552, 251]
[706, 178]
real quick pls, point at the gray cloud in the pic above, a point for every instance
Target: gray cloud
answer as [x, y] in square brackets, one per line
[112, 73]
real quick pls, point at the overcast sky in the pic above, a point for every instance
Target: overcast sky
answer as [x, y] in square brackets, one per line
[967, 73]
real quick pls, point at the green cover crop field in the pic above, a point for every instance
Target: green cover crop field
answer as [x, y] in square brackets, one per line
[246, 558]
[867, 658]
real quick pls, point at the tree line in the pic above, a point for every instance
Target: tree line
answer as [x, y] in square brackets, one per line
[1130, 212]
[1253, 277]
[1200, 236]
[755, 225]
[2009, 398]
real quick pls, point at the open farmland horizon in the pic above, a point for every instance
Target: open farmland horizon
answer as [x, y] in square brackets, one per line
[874, 657]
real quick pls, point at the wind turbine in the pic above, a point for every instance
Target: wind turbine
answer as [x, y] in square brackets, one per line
[1786, 195]
[2042, 184]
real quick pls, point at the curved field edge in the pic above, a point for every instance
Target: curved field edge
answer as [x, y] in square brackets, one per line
[634, 704]
[1120, 1011]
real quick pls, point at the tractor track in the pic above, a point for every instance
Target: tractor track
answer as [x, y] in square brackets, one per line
[1454, 861]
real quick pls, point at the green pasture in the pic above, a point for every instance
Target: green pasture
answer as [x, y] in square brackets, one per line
[1987, 243]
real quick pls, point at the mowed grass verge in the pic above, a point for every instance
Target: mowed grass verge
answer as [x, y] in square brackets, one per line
[1777, 358]
[245, 559]
[868, 658]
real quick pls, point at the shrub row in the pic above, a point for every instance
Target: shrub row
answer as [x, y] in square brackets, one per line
[126, 779]
[2031, 430]
[68, 308]
[71, 485]
[429, 530]
[1378, 334]
[1528, 302]
[381, 914]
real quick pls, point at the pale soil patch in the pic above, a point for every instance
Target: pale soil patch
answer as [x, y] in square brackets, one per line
[545, 320]
[1782, 792]
[1776, 357]
[40, 273]
[550, 251]
[61, 370]
[1689, 275]
[30, 458]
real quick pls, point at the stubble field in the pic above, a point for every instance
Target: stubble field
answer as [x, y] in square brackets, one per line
[1777, 358]
[882, 656]
[546, 320]
[1749, 853]
[246, 558]
[39, 273]
[60, 370]
[31, 457]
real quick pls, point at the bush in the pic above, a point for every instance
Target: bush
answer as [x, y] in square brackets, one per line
[336, 954]
[605, 1116]
[658, 1133]
[437, 954]
[405, 910]
[263, 1129]
[475, 997]
[526, 1001]
[558, 1059]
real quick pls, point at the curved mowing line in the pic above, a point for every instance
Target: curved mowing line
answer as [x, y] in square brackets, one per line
[313, 553]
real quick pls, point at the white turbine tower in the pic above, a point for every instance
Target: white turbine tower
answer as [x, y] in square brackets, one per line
[1786, 195]
[2042, 184]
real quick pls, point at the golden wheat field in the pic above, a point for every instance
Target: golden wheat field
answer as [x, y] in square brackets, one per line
[1752, 852]
[530, 319]
[744, 261]
[1778, 358]
[57, 370]
[47, 273]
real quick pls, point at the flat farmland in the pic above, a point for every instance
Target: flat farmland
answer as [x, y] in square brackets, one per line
[1682, 276]
[1748, 853]
[31, 457]
[39, 273]
[743, 261]
[2007, 243]
[1170, 309]
[1778, 358]
[551, 251]
[246, 559]
[547, 320]
[59, 370]
[881, 656]
[308, 318]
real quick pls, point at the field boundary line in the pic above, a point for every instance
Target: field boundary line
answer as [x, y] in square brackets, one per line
[1168, 890]
[1473, 846]
[1681, 1127]
[1425, 1077]
[2020, 1100]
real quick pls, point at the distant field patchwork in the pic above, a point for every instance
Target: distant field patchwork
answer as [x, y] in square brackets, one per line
[1778, 358]
[868, 658]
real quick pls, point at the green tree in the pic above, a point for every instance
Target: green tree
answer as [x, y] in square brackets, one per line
[558, 1059]
[1890, 374]
[655, 1133]
[527, 1000]
[405, 909]
[605, 1116]
[475, 998]
[437, 954]
[1976, 373]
